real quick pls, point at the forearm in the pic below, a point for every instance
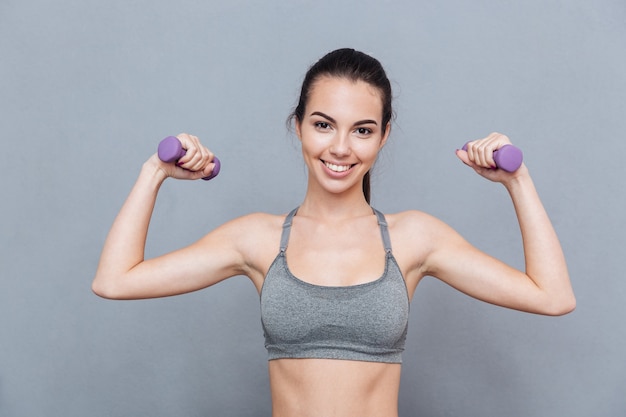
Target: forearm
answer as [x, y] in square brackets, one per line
[544, 259]
[125, 244]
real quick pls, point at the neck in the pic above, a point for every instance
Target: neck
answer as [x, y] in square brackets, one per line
[334, 206]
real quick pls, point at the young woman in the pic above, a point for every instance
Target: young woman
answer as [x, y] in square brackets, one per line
[335, 276]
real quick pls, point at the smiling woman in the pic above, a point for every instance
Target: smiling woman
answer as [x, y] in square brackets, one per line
[355, 66]
[341, 134]
[335, 276]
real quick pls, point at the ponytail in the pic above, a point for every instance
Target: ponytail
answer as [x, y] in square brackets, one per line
[366, 187]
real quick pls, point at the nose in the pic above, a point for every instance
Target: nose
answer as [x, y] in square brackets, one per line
[340, 145]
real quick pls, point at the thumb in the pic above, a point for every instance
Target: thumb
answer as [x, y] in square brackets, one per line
[462, 155]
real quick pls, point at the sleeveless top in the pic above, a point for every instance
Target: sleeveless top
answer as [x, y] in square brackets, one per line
[363, 322]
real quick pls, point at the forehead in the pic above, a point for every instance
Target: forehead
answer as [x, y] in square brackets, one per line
[341, 95]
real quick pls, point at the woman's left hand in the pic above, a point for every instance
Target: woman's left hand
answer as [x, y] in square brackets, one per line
[479, 156]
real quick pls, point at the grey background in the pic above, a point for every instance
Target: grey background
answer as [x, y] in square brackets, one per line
[88, 88]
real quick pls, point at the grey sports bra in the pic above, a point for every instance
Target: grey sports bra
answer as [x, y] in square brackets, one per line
[365, 322]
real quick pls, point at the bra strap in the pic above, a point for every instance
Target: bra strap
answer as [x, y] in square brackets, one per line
[284, 238]
[382, 222]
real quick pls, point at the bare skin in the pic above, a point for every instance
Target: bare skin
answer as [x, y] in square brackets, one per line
[335, 234]
[327, 387]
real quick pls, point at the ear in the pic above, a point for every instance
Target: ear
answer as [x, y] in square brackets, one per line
[297, 126]
[385, 136]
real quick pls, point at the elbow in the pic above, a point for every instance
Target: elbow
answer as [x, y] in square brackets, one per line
[562, 307]
[102, 288]
[569, 307]
[99, 289]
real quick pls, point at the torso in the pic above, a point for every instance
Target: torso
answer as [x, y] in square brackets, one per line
[344, 254]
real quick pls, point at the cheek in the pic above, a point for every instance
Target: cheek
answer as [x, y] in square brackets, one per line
[313, 141]
[368, 149]
[309, 149]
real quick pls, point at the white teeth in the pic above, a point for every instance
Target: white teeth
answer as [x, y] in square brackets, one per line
[337, 168]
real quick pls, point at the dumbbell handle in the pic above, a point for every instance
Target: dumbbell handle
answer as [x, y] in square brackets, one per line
[508, 158]
[171, 150]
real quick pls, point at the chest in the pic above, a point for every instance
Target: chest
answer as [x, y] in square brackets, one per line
[336, 256]
[361, 322]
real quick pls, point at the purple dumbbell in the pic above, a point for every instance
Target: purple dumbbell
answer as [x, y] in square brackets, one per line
[508, 157]
[170, 150]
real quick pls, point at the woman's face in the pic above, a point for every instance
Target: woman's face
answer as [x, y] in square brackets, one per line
[341, 133]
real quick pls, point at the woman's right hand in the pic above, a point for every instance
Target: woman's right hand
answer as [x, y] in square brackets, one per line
[198, 161]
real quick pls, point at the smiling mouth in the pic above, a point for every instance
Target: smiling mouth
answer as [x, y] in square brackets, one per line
[337, 168]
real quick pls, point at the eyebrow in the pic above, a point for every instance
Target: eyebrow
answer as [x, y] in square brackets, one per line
[360, 122]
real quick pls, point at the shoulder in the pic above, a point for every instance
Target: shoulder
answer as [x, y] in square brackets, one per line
[412, 228]
[252, 240]
[255, 226]
[412, 221]
[258, 220]
[415, 237]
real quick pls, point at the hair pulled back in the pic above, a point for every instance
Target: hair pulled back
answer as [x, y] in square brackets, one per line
[354, 66]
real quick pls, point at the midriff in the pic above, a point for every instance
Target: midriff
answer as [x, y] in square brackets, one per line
[333, 388]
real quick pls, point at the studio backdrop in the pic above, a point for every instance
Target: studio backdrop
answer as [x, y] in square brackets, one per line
[88, 88]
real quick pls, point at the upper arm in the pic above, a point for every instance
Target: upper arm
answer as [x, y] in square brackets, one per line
[452, 259]
[222, 253]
